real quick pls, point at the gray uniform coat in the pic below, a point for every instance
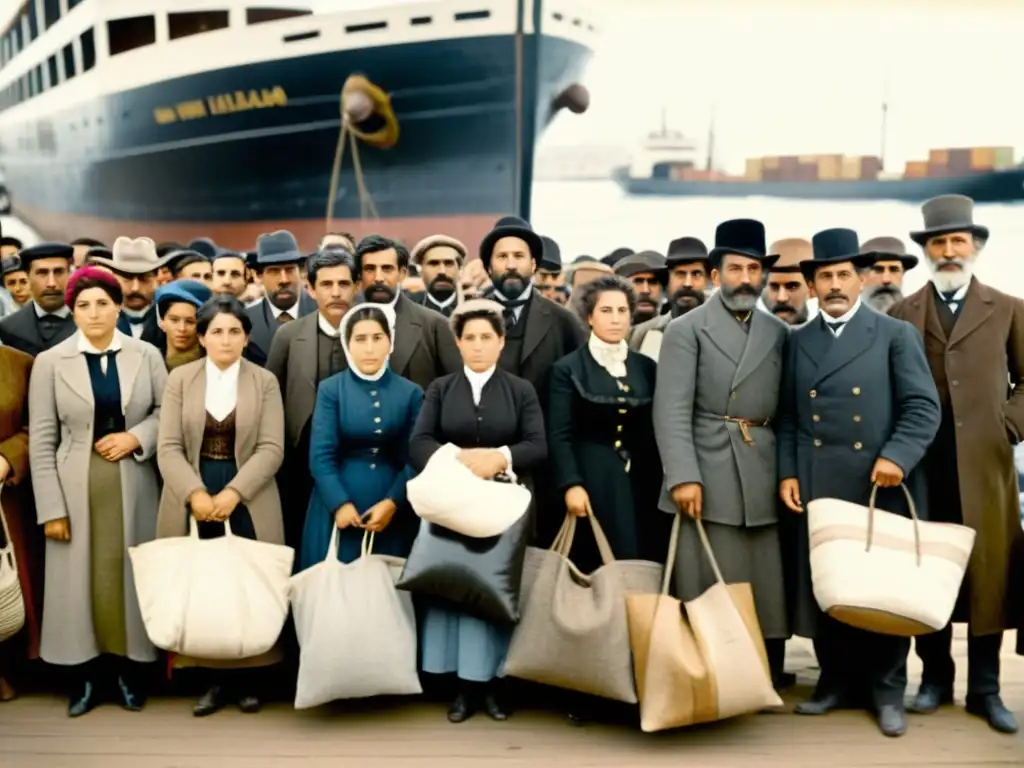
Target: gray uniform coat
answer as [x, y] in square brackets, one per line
[61, 427]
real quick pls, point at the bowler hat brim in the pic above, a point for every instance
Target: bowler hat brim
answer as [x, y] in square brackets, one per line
[859, 261]
[908, 261]
[921, 237]
[528, 236]
[717, 254]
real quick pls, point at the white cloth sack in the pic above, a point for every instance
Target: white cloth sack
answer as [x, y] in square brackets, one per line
[357, 633]
[447, 493]
[12, 602]
[883, 572]
[219, 599]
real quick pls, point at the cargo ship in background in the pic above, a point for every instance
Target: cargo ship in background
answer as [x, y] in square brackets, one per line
[223, 119]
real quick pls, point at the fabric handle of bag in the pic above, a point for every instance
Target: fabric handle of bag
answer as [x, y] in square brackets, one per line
[913, 515]
[709, 552]
[8, 543]
[366, 548]
[564, 538]
[673, 548]
[193, 528]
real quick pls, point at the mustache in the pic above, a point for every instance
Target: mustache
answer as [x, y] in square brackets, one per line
[783, 306]
[886, 290]
[442, 278]
[381, 289]
[686, 292]
[836, 295]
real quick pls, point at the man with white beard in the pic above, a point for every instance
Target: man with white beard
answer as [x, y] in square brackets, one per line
[884, 284]
[974, 342]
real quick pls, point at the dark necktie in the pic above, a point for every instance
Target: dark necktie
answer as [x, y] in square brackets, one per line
[283, 318]
[835, 326]
[510, 312]
[949, 297]
[49, 325]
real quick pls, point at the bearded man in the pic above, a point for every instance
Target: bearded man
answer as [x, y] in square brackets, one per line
[648, 272]
[974, 342]
[439, 258]
[277, 264]
[786, 292]
[884, 284]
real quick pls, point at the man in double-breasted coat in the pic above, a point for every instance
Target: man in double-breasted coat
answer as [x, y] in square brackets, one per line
[974, 341]
[718, 385]
[858, 407]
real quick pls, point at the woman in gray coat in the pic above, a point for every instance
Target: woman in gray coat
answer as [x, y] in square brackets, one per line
[94, 412]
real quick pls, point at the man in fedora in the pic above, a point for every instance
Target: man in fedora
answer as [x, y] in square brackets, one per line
[439, 258]
[884, 284]
[717, 391]
[974, 340]
[277, 264]
[45, 321]
[686, 289]
[786, 293]
[135, 265]
[648, 272]
[858, 407]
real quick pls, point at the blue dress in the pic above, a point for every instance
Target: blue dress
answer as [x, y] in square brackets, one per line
[358, 453]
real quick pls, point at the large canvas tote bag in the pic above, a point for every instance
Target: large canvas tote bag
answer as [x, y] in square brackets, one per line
[344, 611]
[883, 572]
[573, 631]
[447, 493]
[12, 602]
[220, 599]
[707, 665]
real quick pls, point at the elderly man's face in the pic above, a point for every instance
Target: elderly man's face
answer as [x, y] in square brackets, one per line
[951, 258]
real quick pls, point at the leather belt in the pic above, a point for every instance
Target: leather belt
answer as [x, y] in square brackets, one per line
[745, 425]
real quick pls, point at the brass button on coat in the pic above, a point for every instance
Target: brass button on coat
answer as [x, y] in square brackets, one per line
[856, 390]
[817, 443]
[856, 417]
[816, 417]
[814, 393]
[858, 445]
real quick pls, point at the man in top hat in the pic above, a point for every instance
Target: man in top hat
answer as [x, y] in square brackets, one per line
[45, 321]
[884, 284]
[439, 258]
[135, 264]
[303, 354]
[15, 281]
[424, 345]
[537, 331]
[549, 279]
[649, 274]
[787, 293]
[177, 304]
[277, 265]
[974, 340]
[719, 373]
[687, 287]
[858, 407]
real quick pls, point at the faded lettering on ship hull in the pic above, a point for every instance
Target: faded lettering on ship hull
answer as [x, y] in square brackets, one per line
[222, 104]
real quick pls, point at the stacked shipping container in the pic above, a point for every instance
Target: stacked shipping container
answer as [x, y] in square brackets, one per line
[961, 161]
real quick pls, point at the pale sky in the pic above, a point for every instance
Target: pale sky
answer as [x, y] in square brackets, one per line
[803, 77]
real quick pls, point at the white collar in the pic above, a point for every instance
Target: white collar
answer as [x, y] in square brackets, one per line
[64, 311]
[958, 296]
[86, 347]
[326, 328]
[215, 374]
[611, 357]
[500, 297]
[479, 378]
[442, 304]
[829, 320]
[293, 310]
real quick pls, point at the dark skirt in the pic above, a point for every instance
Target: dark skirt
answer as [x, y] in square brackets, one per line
[216, 474]
[107, 553]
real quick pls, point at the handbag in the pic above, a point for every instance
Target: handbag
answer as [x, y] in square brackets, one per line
[12, 602]
[708, 665]
[447, 493]
[573, 632]
[480, 577]
[883, 572]
[217, 599]
[342, 609]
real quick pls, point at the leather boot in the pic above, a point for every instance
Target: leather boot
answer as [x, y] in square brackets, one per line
[85, 694]
[930, 697]
[991, 709]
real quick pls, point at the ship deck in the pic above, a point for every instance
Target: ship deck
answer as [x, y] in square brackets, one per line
[35, 733]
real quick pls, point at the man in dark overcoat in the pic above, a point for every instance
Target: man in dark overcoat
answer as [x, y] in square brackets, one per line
[974, 340]
[45, 321]
[719, 373]
[277, 263]
[440, 259]
[858, 407]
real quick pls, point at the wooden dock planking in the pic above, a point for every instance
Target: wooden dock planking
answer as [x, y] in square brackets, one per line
[35, 733]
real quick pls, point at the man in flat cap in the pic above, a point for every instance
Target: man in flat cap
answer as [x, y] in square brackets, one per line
[786, 293]
[15, 281]
[884, 284]
[135, 265]
[45, 321]
[439, 258]
[974, 340]
[649, 275]
[277, 264]
[687, 288]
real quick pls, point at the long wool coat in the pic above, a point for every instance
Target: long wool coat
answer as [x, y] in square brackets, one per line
[61, 416]
[979, 370]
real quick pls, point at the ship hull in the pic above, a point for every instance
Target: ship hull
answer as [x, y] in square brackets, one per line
[995, 187]
[468, 132]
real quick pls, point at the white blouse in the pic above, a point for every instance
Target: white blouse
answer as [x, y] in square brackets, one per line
[221, 389]
[477, 381]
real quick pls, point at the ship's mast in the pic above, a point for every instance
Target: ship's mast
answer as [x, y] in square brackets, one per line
[711, 140]
[885, 119]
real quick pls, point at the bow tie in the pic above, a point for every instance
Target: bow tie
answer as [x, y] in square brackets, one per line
[949, 297]
[50, 320]
[835, 325]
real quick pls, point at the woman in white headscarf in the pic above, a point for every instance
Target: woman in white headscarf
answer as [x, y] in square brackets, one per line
[359, 445]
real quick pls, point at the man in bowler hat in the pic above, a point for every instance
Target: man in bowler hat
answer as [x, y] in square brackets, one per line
[648, 272]
[858, 407]
[974, 340]
[884, 284]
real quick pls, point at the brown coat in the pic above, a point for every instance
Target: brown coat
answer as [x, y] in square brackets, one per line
[16, 493]
[979, 372]
[259, 447]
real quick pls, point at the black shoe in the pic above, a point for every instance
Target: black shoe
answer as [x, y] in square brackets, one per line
[929, 698]
[992, 709]
[461, 709]
[131, 699]
[249, 704]
[783, 681]
[892, 720]
[211, 701]
[494, 709]
[83, 701]
[819, 704]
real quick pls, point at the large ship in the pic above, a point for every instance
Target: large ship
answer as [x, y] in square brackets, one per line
[226, 118]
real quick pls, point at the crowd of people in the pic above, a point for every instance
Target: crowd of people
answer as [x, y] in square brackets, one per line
[289, 394]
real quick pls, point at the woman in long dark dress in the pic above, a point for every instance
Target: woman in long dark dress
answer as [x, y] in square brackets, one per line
[495, 418]
[221, 444]
[359, 446]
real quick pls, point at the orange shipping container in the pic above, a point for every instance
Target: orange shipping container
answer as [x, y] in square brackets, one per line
[916, 169]
[851, 168]
[982, 157]
[938, 156]
[770, 162]
[753, 169]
